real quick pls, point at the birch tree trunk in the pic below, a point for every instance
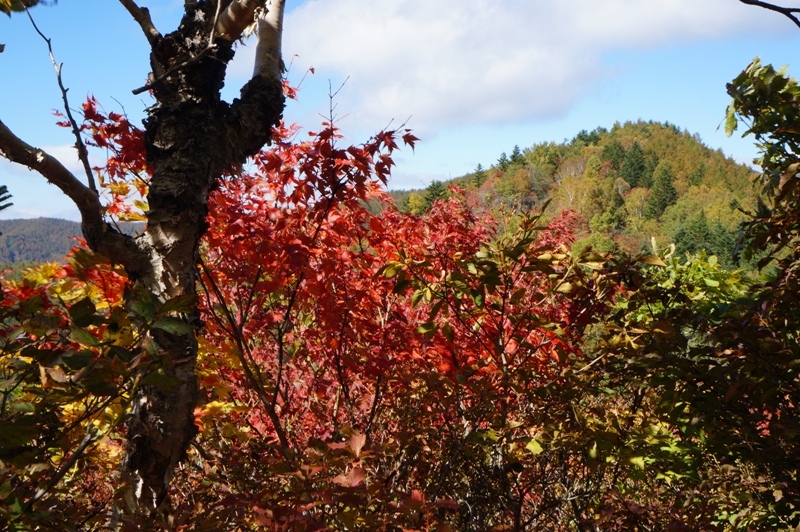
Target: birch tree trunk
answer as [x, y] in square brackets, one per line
[192, 137]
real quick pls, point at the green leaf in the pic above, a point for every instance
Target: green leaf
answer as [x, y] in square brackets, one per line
[416, 297]
[392, 268]
[564, 288]
[401, 284]
[173, 325]
[160, 379]
[478, 296]
[711, 282]
[182, 303]
[447, 331]
[77, 360]
[428, 329]
[24, 408]
[730, 120]
[437, 307]
[638, 461]
[18, 432]
[83, 313]
[83, 337]
[144, 307]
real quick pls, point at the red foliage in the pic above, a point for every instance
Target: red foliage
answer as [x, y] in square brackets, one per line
[358, 362]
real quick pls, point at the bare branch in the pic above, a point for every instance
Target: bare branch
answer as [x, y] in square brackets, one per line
[101, 237]
[88, 439]
[237, 17]
[789, 12]
[83, 153]
[18, 151]
[142, 16]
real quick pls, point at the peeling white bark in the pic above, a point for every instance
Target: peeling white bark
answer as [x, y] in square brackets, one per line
[269, 62]
[236, 18]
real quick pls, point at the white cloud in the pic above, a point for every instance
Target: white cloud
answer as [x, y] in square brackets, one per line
[455, 62]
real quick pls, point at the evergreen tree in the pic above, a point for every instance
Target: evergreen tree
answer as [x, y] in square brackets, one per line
[588, 138]
[696, 176]
[503, 162]
[516, 156]
[663, 194]
[479, 177]
[699, 235]
[5, 195]
[695, 235]
[614, 152]
[723, 244]
[436, 191]
[651, 163]
[634, 166]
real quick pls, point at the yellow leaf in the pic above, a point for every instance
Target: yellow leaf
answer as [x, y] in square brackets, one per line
[534, 447]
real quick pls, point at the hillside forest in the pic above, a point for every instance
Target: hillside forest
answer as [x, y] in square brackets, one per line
[606, 177]
[36, 240]
[635, 186]
[596, 335]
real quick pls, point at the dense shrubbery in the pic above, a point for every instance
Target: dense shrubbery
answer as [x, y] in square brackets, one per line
[455, 370]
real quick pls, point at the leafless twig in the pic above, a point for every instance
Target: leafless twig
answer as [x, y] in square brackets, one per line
[142, 16]
[83, 153]
[89, 438]
[789, 12]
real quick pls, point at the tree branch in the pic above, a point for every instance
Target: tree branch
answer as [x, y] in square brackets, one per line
[789, 12]
[83, 153]
[251, 117]
[270, 34]
[237, 17]
[142, 16]
[260, 107]
[88, 439]
[100, 236]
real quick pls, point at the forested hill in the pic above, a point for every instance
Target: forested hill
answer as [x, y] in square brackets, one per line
[36, 239]
[635, 182]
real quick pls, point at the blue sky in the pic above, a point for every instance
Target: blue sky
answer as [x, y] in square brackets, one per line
[473, 78]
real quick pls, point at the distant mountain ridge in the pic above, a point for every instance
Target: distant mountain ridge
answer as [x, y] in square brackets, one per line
[36, 239]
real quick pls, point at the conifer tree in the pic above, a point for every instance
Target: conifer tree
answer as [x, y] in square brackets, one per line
[516, 156]
[696, 176]
[503, 162]
[634, 166]
[436, 191]
[663, 194]
[5, 195]
[479, 177]
[695, 235]
[614, 152]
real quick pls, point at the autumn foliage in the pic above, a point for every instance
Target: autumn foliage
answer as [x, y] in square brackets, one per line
[362, 368]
